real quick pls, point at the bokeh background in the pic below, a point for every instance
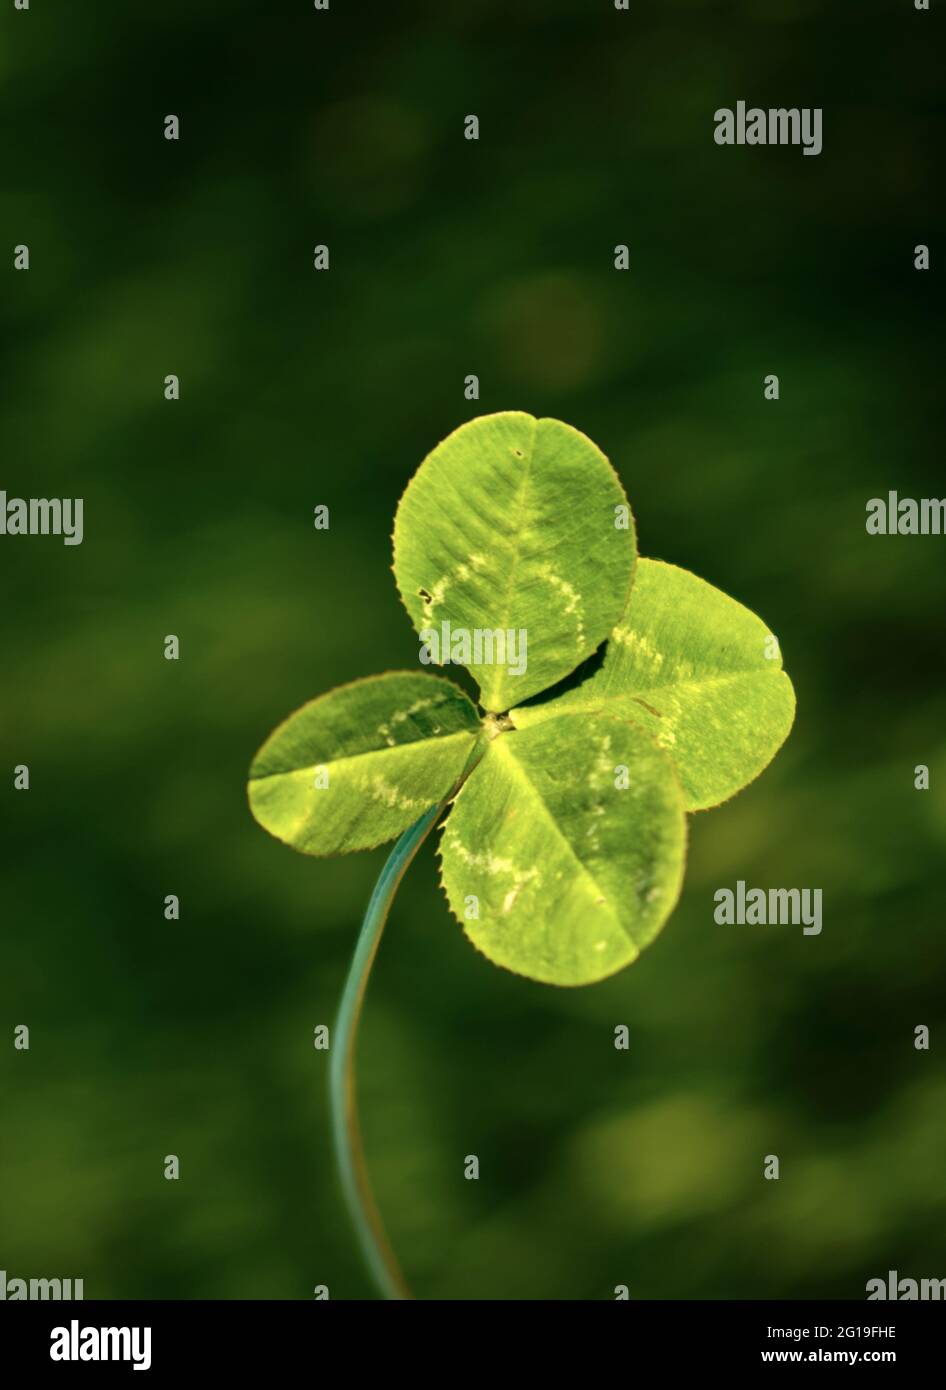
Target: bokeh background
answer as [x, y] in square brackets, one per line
[450, 257]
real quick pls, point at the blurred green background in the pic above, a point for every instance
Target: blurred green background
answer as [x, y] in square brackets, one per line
[448, 257]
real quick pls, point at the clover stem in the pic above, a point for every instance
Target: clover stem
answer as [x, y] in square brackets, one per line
[346, 1133]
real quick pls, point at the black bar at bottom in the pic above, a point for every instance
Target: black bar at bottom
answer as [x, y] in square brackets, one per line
[166, 1340]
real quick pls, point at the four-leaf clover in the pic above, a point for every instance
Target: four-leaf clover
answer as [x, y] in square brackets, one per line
[639, 692]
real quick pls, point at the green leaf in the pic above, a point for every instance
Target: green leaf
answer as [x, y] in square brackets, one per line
[359, 765]
[572, 872]
[690, 665]
[509, 524]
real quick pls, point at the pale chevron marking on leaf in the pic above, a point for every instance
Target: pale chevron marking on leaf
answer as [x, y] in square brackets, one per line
[495, 864]
[599, 773]
[382, 790]
[627, 637]
[402, 715]
[437, 593]
[436, 596]
[573, 604]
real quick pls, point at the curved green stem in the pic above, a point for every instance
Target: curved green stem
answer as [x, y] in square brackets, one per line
[345, 1130]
